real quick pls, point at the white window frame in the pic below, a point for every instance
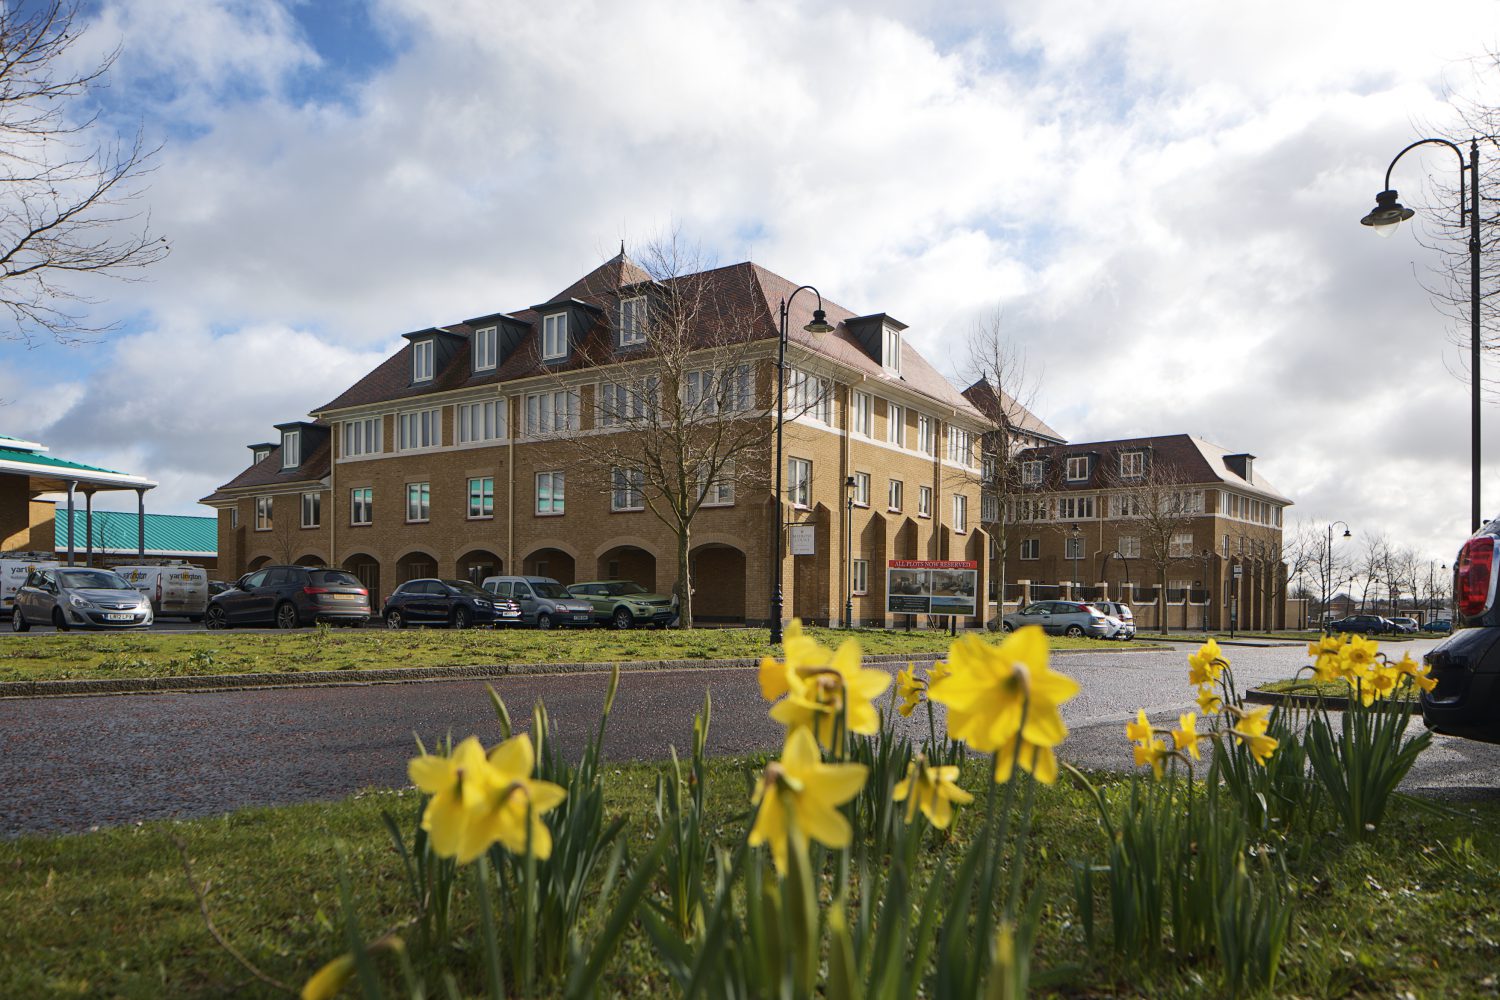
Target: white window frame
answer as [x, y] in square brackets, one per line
[719, 390]
[720, 491]
[895, 424]
[811, 396]
[482, 420]
[1077, 469]
[556, 490]
[554, 336]
[422, 352]
[627, 489]
[859, 577]
[419, 430]
[861, 489]
[312, 502]
[632, 321]
[234, 518]
[362, 501]
[623, 404]
[260, 455]
[890, 356]
[960, 446]
[924, 501]
[1181, 545]
[1132, 464]
[1031, 548]
[989, 508]
[362, 436]
[1130, 546]
[418, 503]
[481, 498]
[551, 412]
[799, 486]
[895, 495]
[291, 449]
[862, 414]
[960, 514]
[1073, 548]
[1031, 472]
[926, 434]
[484, 348]
[263, 513]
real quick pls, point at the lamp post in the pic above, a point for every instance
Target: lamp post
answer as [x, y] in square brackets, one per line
[818, 325]
[1328, 578]
[849, 486]
[1390, 213]
[1208, 555]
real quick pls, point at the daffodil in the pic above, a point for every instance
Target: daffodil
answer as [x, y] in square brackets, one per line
[1205, 666]
[1325, 653]
[937, 672]
[803, 655]
[1153, 751]
[1003, 699]
[1140, 729]
[1261, 746]
[934, 790]
[1418, 672]
[327, 981]
[1357, 659]
[1186, 734]
[821, 698]
[911, 690]
[456, 784]
[1254, 721]
[801, 793]
[1209, 703]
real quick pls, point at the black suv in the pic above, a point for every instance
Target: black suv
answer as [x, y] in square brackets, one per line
[1466, 665]
[289, 597]
[458, 603]
[1366, 624]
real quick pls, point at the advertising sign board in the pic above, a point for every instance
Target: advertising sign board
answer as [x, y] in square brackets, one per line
[931, 587]
[802, 536]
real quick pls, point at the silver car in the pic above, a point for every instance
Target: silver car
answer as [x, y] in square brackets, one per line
[78, 597]
[1063, 618]
[1120, 612]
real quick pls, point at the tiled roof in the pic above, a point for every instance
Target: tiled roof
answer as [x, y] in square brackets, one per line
[268, 471]
[166, 534]
[1001, 408]
[1195, 462]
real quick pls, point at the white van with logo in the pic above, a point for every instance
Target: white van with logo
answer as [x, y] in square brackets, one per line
[14, 568]
[175, 589]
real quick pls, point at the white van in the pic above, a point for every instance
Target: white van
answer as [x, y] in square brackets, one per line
[174, 588]
[14, 568]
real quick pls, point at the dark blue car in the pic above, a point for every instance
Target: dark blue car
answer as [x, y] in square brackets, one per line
[455, 603]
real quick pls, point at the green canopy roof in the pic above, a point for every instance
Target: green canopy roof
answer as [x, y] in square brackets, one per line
[116, 531]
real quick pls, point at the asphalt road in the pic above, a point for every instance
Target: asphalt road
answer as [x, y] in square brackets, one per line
[68, 764]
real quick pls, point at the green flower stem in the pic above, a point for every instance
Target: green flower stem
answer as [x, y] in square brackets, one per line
[487, 925]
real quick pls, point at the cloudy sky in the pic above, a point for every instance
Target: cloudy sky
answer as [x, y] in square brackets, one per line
[1159, 199]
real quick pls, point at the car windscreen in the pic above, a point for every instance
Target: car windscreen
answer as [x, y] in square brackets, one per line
[468, 589]
[334, 578]
[551, 591]
[92, 579]
[625, 589]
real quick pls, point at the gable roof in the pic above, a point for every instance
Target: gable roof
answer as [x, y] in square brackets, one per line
[1198, 462]
[315, 467]
[1002, 408]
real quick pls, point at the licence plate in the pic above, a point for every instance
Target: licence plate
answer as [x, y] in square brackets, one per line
[344, 597]
[119, 618]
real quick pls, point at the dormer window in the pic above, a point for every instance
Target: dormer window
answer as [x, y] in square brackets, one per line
[633, 321]
[291, 449]
[484, 349]
[261, 454]
[554, 336]
[1078, 469]
[1132, 464]
[421, 361]
[890, 358]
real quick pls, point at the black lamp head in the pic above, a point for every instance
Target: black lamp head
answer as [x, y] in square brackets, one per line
[1387, 214]
[819, 323]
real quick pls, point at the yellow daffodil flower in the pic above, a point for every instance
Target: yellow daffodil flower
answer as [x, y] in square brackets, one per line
[503, 815]
[911, 690]
[934, 790]
[800, 791]
[1186, 734]
[937, 672]
[1003, 699]
[1140, 729]
[1205, 666]
[803, 655]
[1418, 672]
[456, 784]
[819, 699]
[1357, 659]
[1153, 751]
[1254, 721]
[1261, 746]
[1209, 703]
[327, 981]
[1382, 683]
[1326, 656]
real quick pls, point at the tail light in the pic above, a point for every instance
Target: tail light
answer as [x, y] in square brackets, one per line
[1473, 576]
[316, 590]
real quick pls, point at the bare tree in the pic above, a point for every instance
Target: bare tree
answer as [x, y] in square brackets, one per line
[1285, 558]
[1163, 506]
[1371, 566]
[66, 186]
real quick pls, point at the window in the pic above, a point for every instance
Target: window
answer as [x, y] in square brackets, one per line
[799, 491]
[549, 492]
[554, 336]
[627, 489]
[234, 518]
[895, 424]
[1181, 545]
[1071, 507]
[1035, 510]
[421, 361]
[893, 495]
[989, 509]
[483, 349]
[362, 437]
[291, 449]
[924, 501]
[482, 497]
[859, 572]
[419, 429]
[1226, 546]
[960, 446]
[1031, 473]
[717, 491]
[261, 454]
[1130, 546]
[809, 396]
[960, 513]
[1124, 505]
[987, 468]
[361, 505]
[1073, 549]
[262, 513]
[312, 510]
[719, 390]
[418, 501]
[862, 414]
[633, 321]
[550, 412]
[1132, 464]
[1031, 548]
[862, 489]
[926, 435]
[1078, 469]
[890, 359]
[481, 421]
[623, 404]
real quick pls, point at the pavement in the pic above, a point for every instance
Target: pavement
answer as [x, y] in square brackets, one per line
[70, 764]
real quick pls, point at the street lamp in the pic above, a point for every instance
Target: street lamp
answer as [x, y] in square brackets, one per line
[1390, 213]
[1076, 544]
[849, 487]
[1208, 555]
[819, 325]
[1328, 578]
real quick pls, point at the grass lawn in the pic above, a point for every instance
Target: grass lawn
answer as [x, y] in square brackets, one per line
[111, 914]
[164, 654]
[1309, 686]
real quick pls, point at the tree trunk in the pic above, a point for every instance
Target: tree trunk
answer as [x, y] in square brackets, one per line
[684, 578]
[1161, 599]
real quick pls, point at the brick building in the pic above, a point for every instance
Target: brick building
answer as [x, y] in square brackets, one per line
[443, 460]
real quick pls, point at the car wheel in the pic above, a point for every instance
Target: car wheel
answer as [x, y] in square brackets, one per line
[544, 621]
[216, 618]
[1007, 627]
[622, 618]
[460, 617]
[1076, 631]
[58, 621]
[395, 619]
[18, 622]
[286, 616]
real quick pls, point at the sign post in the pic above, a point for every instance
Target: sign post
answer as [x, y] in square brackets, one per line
[932, 587]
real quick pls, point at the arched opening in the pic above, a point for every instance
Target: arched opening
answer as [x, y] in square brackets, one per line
[551, 562]
[718, 583]
[366, 568]
[477, 564]
[311, 560]
[628, 562]
[415, 565]
[259, 562]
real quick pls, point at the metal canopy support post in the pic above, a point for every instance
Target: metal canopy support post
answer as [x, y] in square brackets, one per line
[140, 524]
[72, 487]
[88, 527]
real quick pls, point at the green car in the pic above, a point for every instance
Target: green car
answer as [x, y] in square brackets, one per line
[624, 604]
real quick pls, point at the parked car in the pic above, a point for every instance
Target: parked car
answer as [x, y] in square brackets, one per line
[14, 570]
[290, 597]
[217, 587]
[544, 603]
[1120, 611]
[173, 588]
[624, 604]
[78, 597]
[1404, 625]
[1438, 625]
[457, 603]
[1363, 624]
[1063, 618]
[1466, 665]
